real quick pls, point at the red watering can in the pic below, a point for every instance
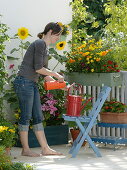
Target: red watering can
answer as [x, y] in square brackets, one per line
[74, 101]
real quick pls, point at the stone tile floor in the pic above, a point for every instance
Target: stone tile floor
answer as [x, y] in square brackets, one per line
[85, 160]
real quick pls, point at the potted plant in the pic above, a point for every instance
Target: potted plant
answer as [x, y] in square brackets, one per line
[7, 135]
[53, 107]
[114, 112]
[91, 63]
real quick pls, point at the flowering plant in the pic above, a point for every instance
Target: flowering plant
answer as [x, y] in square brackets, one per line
[90, 57]
[53, 107]
[65, 28]
[114, 106]
[7, 136]
[9, 95]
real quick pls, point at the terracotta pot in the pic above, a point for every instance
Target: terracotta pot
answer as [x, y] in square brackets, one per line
[109, 117]
[74, 135]
[8, 151]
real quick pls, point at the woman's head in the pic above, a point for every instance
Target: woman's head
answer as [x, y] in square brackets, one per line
[54, 28]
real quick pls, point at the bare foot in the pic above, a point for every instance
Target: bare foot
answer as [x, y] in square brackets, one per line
[50, 151]
[30, 154]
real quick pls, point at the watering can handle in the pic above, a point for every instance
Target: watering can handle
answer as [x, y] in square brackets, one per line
[75, 87]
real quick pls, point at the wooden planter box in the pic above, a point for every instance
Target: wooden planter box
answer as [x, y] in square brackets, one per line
[95, 79]
[116, 118]
[55, 135]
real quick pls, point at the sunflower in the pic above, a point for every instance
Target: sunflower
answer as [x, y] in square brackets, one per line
[60, 45]
[23, 33]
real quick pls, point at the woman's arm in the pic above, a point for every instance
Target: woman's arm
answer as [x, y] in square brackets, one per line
[47, 72]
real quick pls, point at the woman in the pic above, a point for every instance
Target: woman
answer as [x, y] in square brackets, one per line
[25, 85]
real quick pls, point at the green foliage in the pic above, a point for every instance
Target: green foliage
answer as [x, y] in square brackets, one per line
[53, 106]
[7, 164]
[3, 74]
[10, 96]
[116, 29]
[77, 24]
[7, 134]
[95, 25]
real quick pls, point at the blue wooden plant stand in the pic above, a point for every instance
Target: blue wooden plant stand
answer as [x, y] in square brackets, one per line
[111, 140]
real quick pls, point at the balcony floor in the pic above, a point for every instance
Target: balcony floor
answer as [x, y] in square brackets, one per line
[85, 160]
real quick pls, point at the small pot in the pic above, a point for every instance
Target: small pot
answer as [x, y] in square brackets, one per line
[8, 151]
[74, 135]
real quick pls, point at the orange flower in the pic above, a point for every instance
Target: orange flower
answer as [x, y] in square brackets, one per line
[85, 54]
[79, 59]
[98, 59]
[71, 60]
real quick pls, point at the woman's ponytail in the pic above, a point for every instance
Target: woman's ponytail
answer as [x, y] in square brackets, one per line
[40, 35]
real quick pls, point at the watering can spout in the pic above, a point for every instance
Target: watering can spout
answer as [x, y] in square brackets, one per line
[87, 101]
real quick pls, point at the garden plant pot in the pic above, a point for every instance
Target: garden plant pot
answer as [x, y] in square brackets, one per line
[8, 151]
[74, 135]
[109, 117]
[55, 135]
[95, 79]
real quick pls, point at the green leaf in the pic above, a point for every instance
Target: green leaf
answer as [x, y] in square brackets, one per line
[12, 58]
[14, 49]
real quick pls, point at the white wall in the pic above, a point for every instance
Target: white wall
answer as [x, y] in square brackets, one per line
[33, 15]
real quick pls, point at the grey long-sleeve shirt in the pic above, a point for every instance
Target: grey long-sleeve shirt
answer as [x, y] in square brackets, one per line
[35, 58]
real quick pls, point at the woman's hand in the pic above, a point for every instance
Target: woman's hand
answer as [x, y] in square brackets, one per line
[49, 78]
[59, 77]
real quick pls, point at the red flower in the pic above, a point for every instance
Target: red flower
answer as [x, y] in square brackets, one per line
[115, 65]
[106, 107]
[11, 66]
[118, 70]
[110, 67]
[110, 62]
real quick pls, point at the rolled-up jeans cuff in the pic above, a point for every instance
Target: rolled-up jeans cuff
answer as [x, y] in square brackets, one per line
[23, 127]
[38, 127]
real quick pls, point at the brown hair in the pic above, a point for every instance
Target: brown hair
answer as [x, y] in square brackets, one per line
[55, 27]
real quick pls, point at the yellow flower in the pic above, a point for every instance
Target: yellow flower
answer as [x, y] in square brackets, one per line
[3, 128]
[92, 70]
[92, 47]
[60, 45]
[67, 32]
[91, 41]
[95, 24]
[23, 33]
[17, 116]
[60, 24]
[11, 130]
[91, 61]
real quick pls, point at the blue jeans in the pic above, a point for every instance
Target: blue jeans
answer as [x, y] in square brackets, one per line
[29, 103]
